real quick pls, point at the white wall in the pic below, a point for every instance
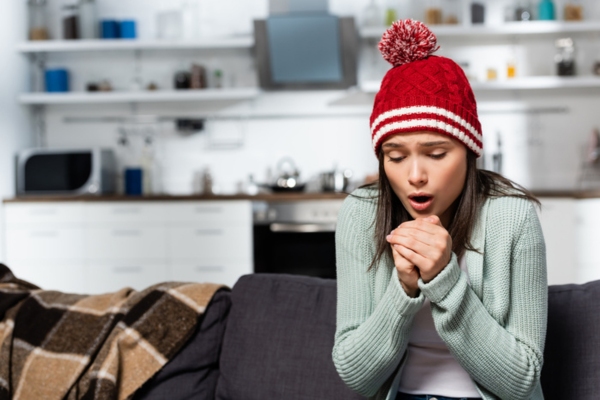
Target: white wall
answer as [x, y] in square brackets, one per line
[14, 119]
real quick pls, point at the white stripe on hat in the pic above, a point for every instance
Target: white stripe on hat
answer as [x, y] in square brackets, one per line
[429, 110]
[428, 123]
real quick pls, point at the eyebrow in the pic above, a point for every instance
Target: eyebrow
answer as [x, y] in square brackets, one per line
[394, 145]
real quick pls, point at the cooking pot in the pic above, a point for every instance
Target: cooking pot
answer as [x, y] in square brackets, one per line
[336, 180]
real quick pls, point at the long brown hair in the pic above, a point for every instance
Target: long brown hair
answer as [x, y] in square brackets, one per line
[479, 185]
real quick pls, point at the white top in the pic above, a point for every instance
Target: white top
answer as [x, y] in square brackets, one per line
[430, 367]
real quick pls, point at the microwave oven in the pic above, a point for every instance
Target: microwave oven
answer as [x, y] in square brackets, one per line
[65, 172]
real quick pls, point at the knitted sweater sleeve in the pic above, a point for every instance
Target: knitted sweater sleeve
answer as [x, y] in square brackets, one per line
[371, 334]
[504, 357]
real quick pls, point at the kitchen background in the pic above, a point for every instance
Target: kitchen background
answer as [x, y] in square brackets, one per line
[540, 124]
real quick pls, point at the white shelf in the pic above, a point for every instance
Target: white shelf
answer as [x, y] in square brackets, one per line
[128, 44]
[139, 97]
[528, 83]
[506, 29]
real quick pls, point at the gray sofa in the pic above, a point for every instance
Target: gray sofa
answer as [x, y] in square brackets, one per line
[271, 338]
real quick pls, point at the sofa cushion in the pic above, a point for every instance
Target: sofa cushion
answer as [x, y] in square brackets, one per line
[279, 339]
[193, 372]
[572, 354]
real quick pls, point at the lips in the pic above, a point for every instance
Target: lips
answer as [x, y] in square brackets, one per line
[420, 201]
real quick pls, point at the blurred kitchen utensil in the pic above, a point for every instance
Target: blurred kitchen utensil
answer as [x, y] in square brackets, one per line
[336, 180]
[288, 177]
[593, 149]
[565, 57]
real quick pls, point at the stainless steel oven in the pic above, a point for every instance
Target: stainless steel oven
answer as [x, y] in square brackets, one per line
[296, 237]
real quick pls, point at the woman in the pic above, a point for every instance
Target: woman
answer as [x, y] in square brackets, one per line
[441, 268]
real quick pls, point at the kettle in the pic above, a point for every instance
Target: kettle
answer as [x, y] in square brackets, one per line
[288, 179]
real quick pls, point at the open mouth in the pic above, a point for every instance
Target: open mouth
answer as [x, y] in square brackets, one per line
[420, 202]
[421, 199]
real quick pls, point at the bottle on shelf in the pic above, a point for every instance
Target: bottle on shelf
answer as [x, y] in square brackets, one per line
[38, 24]
[511, 68]
[70, 21]
[391, 14]
[88, 19]
[511, 65]
[546, 10]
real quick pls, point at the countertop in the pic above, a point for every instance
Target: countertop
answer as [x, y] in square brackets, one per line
[259, 197]
[574, 194]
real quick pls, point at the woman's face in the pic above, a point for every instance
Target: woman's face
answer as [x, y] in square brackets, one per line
[427, 172]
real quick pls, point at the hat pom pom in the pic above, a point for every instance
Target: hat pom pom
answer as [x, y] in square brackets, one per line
[406, 41]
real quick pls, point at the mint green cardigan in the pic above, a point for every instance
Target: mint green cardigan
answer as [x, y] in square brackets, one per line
[495, 326]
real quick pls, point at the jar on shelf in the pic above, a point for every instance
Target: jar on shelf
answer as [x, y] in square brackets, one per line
[565, 57]
[523, 11]
[70, 21]
[573, 10]
[88, 20]
[38, 20]
[433, 12]
[452, 11]
[372, 17]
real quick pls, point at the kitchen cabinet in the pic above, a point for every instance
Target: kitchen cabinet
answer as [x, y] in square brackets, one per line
[558, 221]
[588, 239]
[96, 246]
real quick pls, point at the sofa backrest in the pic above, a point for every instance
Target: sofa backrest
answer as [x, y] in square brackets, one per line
[279, 339]
[572, 354]
[272, 337]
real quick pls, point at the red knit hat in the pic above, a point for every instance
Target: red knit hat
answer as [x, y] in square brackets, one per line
[422, 92]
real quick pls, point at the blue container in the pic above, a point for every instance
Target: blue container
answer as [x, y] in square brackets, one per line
[133, 181]
[57, 80]
[546, 10]
[128, 30]
[109, 29]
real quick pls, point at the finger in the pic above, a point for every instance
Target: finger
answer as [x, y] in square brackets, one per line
[405, 267]
[434, 219]
[423, 237]
[425, 250]
[399, 258]
[418, 260]
[421, 225]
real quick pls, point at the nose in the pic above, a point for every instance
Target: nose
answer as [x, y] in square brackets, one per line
[417, 175]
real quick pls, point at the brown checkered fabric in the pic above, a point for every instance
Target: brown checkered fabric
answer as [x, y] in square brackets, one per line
[56, 345]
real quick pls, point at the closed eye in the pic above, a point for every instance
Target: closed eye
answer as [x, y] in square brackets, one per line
[396, 159]
[437, 156]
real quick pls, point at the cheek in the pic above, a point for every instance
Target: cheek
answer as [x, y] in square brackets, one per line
[455, 177]
[394, 176]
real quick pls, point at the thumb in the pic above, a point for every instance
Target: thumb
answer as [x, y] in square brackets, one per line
[434, 219]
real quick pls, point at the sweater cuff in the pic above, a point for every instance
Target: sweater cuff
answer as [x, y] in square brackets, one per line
[406, 305]
[437, 288]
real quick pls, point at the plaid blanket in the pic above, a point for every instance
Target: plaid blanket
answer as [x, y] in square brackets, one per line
[56, 345]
